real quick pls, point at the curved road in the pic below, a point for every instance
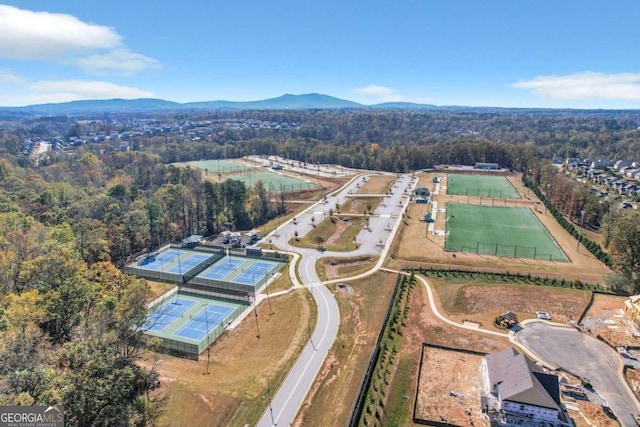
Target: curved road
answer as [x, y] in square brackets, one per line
[375, 241]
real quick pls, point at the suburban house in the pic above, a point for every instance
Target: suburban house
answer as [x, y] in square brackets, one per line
[620, 164]
[519, 393]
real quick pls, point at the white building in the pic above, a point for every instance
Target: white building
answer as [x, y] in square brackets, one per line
[519, 393]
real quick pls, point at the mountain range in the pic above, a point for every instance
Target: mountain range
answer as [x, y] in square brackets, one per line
[309, 101]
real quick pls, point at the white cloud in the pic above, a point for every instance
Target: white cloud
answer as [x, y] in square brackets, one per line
[374, 90]
[71, 90]
[10, 78]
[386, 94]
[17, 91]
[584, 86]
[121, 60]
[42, 35]
[45, 36]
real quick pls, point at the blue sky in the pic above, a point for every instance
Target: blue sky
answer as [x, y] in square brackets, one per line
[510, 53]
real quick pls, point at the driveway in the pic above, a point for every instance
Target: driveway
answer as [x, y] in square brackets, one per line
[587, 357]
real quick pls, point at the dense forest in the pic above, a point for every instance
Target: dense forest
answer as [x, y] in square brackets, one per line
[70, 321]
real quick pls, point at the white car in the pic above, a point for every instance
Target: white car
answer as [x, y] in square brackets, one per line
[543, 315]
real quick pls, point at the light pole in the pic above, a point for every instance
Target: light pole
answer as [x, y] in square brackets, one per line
[269, 396]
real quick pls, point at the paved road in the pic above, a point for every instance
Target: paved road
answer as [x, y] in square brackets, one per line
[375, 241]
[585, 356]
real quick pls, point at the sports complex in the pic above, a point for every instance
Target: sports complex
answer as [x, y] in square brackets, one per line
[494, 230]
[214, 287]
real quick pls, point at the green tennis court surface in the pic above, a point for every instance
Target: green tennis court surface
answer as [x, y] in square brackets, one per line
[498, 187]
[500, 231]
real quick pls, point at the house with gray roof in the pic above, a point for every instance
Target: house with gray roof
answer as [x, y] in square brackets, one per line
[519, 393]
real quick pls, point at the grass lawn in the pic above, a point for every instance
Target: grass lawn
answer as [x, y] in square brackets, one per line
[333, 268]
[159, 288]
[500, 231]
[235, 390]
[333, 234]
[275, 183]
[362, 309]
[498, 187]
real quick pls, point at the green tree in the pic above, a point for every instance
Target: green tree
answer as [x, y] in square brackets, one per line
[625, 245]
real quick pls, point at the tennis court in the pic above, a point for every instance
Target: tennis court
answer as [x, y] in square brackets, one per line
[166, 314]
[245, 271]
[187, 323]
[211, 316]
[255, 271]
[176, 261]
[219, 270]
[499, 231]
[497, 187]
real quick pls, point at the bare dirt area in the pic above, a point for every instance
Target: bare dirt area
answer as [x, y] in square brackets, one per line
[481, 303]
[426, 327]
[452, 398]
[419, 248]
[363, 304]
[378, 184]
[607, 319]
[234, 391]
[594, 414]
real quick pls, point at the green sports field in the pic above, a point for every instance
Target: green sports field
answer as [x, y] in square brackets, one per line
[219, 166]
[498, 187]
[274, 182]
[500, 231]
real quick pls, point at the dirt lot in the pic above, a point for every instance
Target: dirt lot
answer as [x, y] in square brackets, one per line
[483, 302]
[378, 184]
[455, 397]
[418, 248]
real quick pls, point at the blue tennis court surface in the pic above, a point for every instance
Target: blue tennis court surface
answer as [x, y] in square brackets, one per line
[187, 262]
[165, 315]
[159, 261]
[221, 269]
[254, 273]
[211, 316]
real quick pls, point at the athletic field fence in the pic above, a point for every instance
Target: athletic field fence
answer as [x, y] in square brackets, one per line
[502, 250]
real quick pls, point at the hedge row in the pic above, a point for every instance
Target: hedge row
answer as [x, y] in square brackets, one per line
[374, 404]
[508, 277]
[592, 246]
